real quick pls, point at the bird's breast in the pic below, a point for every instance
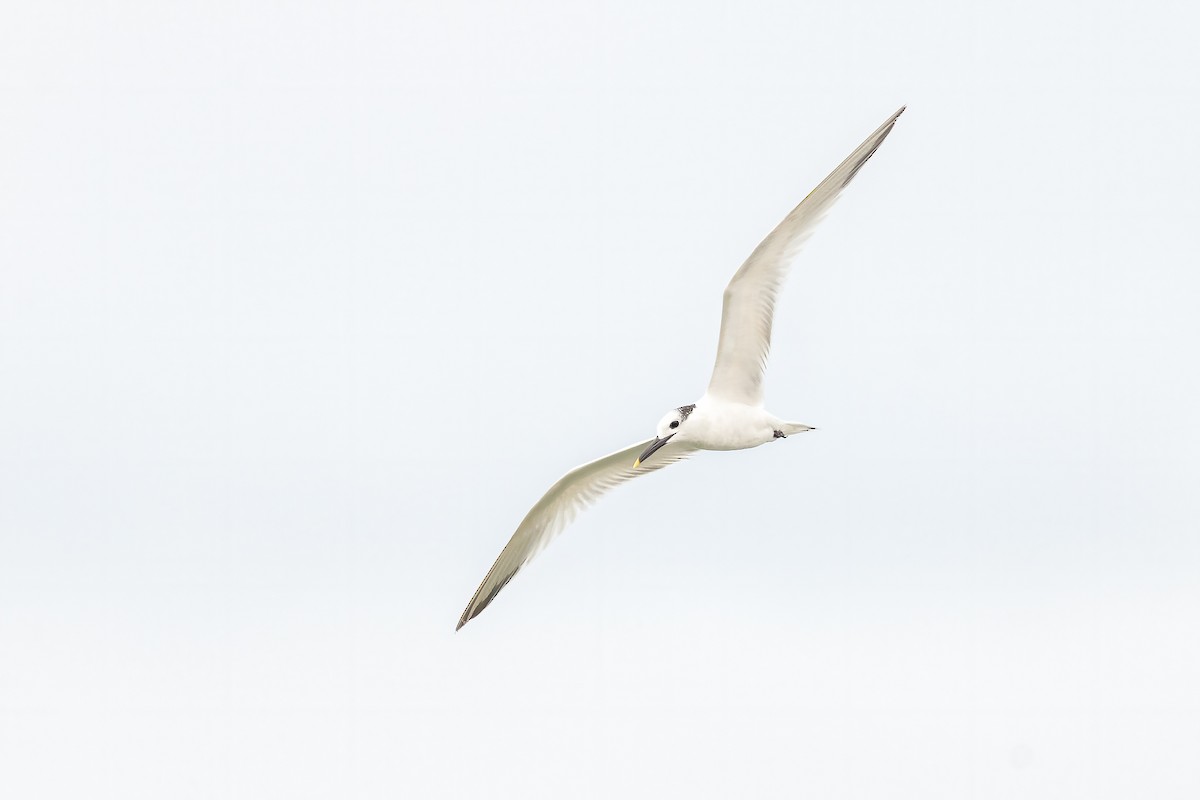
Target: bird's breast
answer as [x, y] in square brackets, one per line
[729, 426]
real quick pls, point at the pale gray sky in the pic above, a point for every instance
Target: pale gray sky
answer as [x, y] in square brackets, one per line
[301, 308]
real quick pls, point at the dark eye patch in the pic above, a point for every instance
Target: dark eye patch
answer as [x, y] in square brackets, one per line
[674, 424]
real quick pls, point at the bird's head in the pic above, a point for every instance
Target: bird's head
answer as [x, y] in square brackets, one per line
[672, 425]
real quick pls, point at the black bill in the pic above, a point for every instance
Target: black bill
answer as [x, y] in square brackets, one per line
[652, 449]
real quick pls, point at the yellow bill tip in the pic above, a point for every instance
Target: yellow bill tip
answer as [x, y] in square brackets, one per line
[637, 463]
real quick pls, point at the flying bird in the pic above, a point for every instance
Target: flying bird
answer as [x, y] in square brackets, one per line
[730, 415]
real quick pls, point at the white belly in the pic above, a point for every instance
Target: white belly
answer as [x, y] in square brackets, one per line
[715, 425]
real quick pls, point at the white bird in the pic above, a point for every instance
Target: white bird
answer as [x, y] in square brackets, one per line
[730, 415]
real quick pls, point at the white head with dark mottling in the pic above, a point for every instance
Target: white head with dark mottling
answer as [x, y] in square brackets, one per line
[670, 427]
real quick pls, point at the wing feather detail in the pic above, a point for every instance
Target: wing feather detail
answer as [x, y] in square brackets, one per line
[749, 304]
[574, 492]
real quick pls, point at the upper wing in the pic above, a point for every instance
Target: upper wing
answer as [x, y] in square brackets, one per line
[750, 296]
[574, 492]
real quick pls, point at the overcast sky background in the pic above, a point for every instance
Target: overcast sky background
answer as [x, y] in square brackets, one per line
[302, 307]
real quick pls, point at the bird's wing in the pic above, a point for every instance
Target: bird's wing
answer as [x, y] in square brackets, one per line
[575, 491]
[750, 296]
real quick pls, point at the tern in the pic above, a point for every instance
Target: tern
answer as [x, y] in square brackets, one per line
[730, 415]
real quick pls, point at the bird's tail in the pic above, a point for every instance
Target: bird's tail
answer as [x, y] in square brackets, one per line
[795, 427]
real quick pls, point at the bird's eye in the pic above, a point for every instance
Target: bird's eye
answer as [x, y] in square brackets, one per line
[675, 424]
